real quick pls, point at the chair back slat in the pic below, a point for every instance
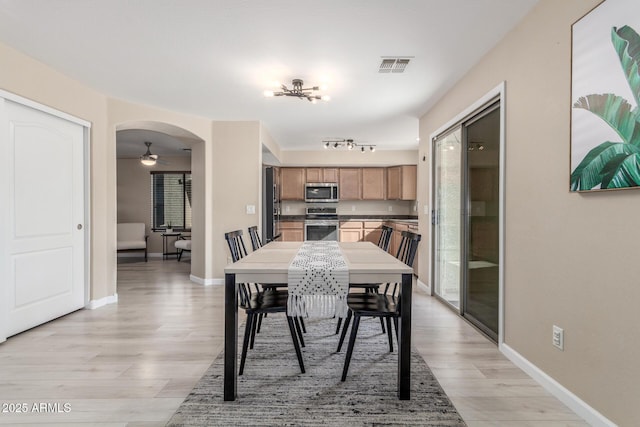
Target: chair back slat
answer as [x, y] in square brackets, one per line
[385, 238]
[256, 243]
[236, 245]
[408, 247]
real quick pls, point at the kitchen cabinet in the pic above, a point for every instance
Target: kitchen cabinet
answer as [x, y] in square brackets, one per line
[350, 185]
[351, 231]
[374, 182]
[315, 175]
[292, 182]
[402, 182]
[372, 231]
[291, 231]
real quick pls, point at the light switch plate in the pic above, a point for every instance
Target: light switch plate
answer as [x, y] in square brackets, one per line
[251, 209]
[558, 337]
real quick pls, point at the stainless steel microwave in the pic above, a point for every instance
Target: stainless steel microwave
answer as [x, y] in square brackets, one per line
[321, 192]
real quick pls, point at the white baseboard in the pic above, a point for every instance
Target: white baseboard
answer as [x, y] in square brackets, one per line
[424, 287]
[139, 255]
[577, 405]
[93, 304]
[206, 282]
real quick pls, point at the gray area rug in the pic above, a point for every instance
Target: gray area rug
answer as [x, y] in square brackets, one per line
[273, 392]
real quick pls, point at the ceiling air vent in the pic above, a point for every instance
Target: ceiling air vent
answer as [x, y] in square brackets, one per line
[393, 65]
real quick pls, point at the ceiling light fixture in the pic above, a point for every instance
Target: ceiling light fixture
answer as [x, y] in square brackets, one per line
[147, 158]
[337, 143]
[299, 92]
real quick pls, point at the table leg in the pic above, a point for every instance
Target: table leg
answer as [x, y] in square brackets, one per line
[404, 333]
[230, 337]
[164, 247]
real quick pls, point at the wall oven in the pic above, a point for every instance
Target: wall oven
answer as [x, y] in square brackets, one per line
[321, 192]
[321, 223]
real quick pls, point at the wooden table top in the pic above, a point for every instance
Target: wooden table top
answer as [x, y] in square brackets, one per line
[367, 263]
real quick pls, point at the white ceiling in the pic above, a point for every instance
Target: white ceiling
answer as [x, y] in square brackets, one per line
[214, 58]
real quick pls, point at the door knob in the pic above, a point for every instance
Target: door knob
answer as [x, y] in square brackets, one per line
[79, 226]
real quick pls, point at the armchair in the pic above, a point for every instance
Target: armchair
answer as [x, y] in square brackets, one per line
[131, 237]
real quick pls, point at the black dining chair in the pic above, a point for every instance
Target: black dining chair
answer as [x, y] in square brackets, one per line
[383, 243]
[384, 305]
[258, 302]
[256, 244]
[255, 238]
[385, 238]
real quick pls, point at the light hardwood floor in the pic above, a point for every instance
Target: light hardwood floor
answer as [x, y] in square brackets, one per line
[133, 363]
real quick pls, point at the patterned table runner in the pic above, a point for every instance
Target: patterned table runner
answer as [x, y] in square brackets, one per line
[318, 281]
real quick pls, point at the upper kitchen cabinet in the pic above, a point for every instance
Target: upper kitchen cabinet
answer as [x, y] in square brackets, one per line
[402, 182]
[373, 183]
[350, 184]
[315, 175]
[292, 183]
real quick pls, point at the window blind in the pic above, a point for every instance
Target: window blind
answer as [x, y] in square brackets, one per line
[171, 200]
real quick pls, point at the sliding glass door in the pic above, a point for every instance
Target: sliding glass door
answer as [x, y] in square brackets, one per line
[481, 221]
[466, 216]
[447, 216]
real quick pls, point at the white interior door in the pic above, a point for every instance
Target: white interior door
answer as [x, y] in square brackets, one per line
[43, 230]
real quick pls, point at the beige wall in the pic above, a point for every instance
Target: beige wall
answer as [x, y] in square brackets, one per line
[28, 78]
[267, 140]
[237, 174]
[134, 193]
[343, 157]
[570, 258]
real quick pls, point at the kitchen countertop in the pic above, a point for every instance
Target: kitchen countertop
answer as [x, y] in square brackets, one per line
[394, 218]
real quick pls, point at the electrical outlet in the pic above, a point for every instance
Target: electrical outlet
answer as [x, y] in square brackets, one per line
[353, 208]
[288, 208]
[390, 208]
[558, 337]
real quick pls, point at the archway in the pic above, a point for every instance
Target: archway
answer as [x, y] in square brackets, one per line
[174, 146]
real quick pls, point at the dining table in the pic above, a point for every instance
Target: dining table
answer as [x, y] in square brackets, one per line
[366, 262]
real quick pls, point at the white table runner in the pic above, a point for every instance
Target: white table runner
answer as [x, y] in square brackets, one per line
[318, 281]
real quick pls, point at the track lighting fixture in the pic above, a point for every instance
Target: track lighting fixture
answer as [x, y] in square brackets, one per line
[348, 143]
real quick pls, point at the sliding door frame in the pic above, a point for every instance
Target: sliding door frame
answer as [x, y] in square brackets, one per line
[497, 94]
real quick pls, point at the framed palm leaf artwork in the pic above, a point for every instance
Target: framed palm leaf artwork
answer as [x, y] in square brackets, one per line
[605, 98]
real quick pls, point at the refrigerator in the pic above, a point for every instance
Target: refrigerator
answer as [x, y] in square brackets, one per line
[271, 208]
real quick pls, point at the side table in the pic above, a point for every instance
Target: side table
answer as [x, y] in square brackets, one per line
[165, 244]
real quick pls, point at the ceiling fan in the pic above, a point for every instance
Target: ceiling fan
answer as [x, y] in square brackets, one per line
[147, 158]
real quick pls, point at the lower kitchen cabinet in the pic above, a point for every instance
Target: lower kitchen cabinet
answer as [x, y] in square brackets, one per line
[351, 231]
[291, 231]
[372, 231]
[396, 236]
[369, 231]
